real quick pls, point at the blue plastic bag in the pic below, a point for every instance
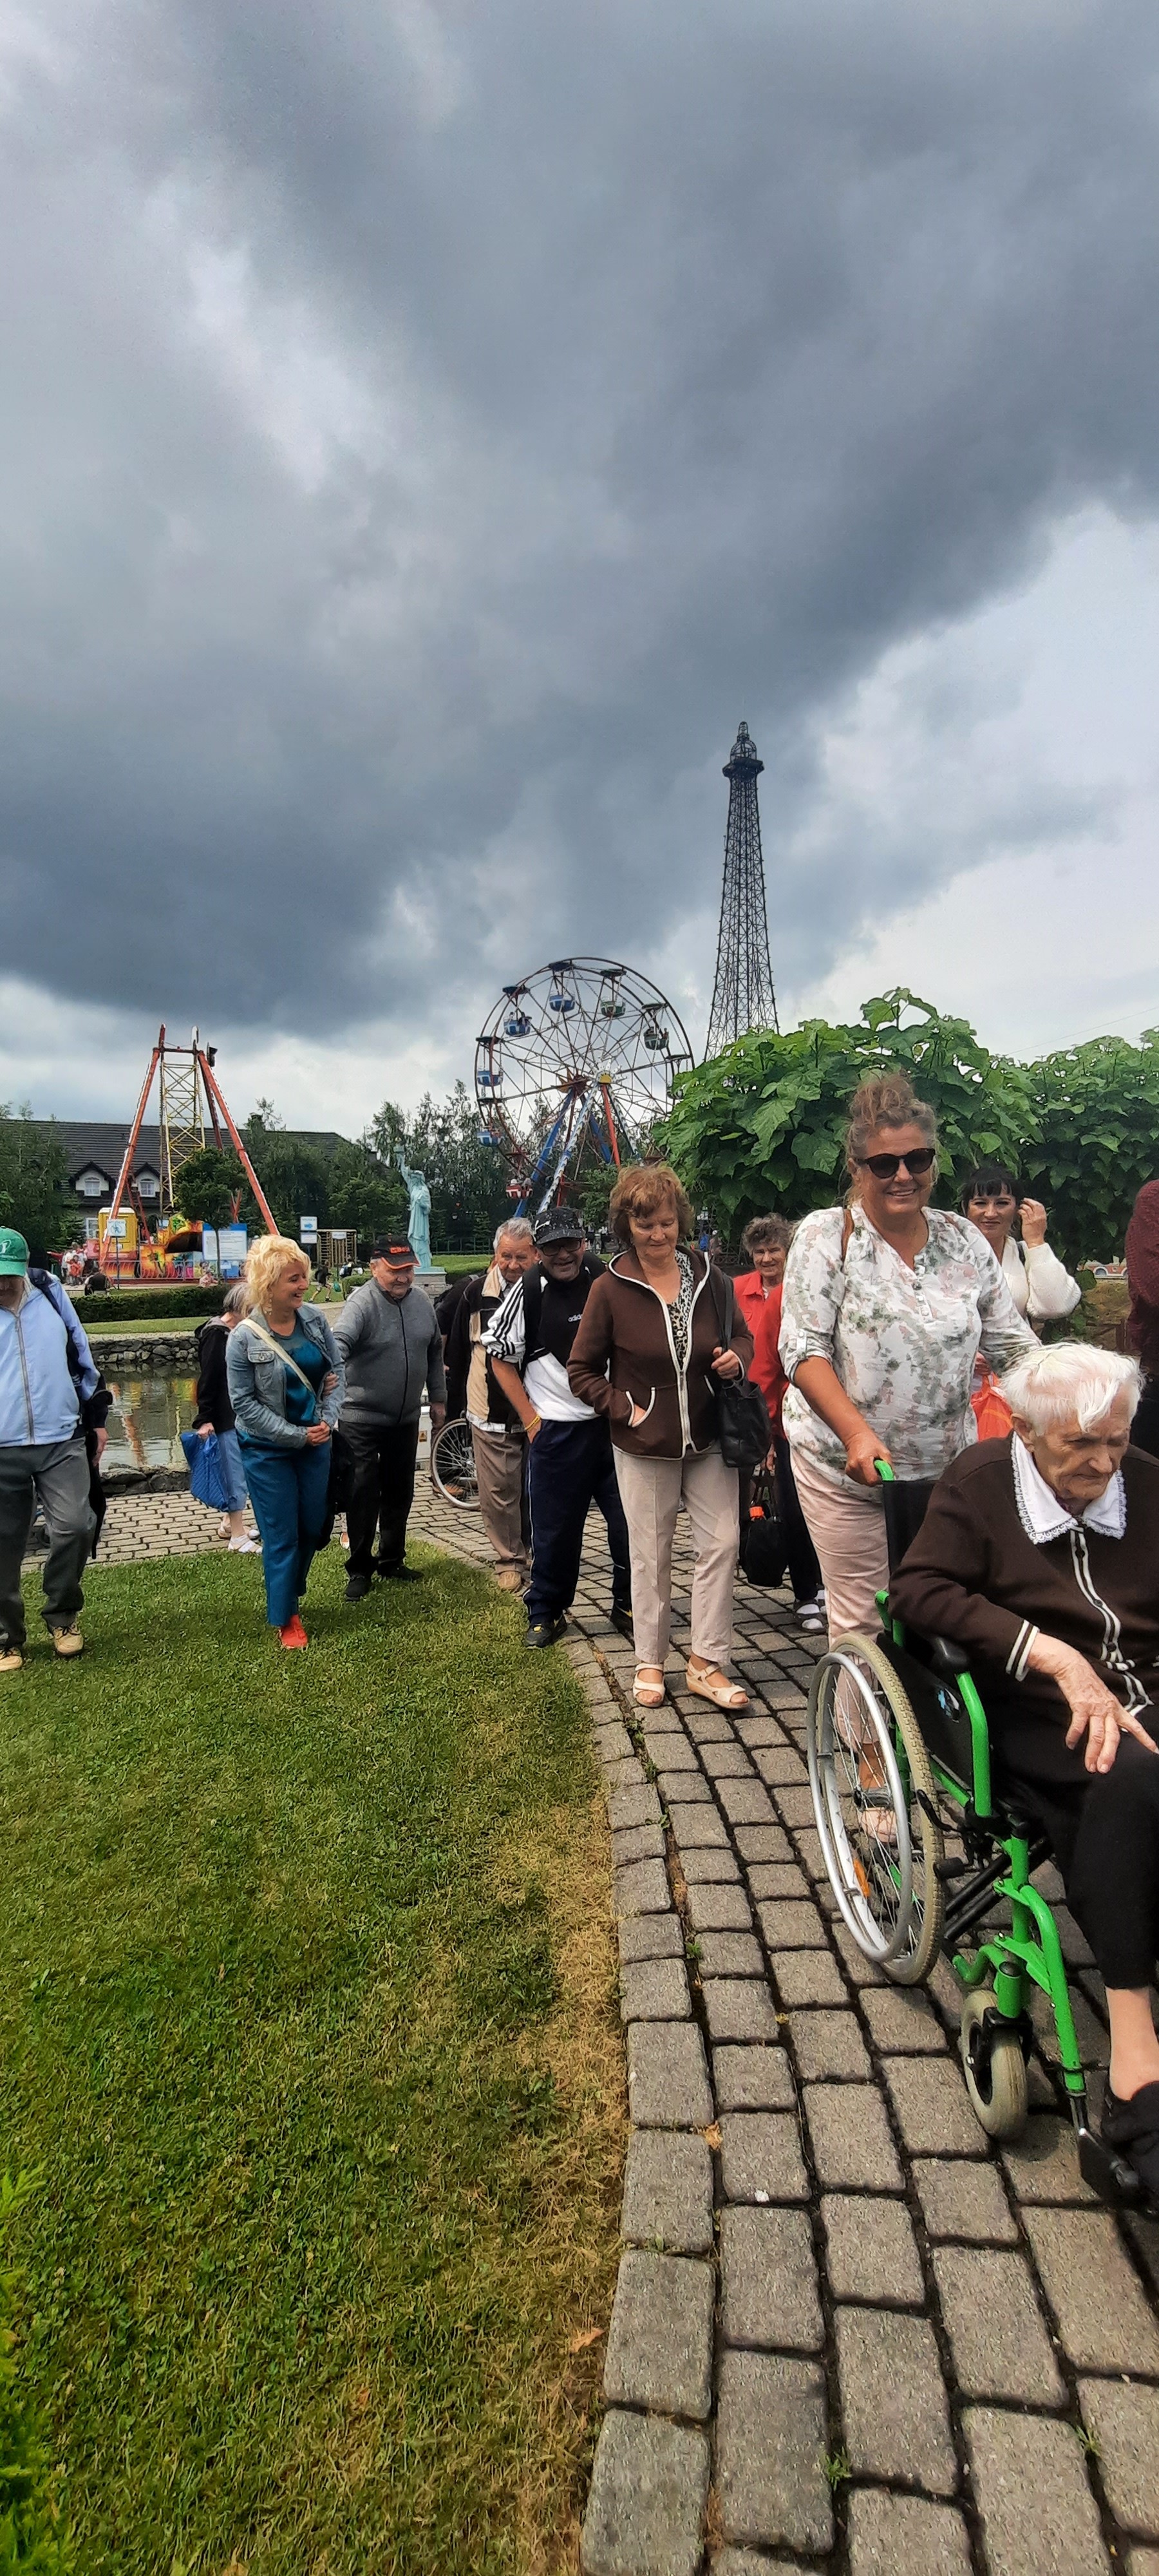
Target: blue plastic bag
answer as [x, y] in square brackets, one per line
[206, 1482]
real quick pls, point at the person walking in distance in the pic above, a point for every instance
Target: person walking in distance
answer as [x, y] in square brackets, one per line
[569, 1458]
[497, 1434]
[392, 1349]
[284, 1375]
[215, 1413]
[53, 1405]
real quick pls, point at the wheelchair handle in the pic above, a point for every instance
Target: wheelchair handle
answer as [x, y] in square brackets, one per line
[884, 1471]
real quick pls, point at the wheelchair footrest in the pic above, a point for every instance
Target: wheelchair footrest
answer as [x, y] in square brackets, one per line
[1107, 2173]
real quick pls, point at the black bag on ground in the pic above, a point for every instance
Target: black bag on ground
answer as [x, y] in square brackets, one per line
[742, 1415]
[763, 1552]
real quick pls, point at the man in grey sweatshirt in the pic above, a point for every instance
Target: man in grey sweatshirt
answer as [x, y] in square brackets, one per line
[389, 1338]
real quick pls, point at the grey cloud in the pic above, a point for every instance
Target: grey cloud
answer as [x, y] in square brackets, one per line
[437, 427]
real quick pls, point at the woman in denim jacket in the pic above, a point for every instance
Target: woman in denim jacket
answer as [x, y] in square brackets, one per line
[285, 1376]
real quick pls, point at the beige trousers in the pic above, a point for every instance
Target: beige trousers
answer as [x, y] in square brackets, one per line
[651, 1490]
[847, 1526]
[499, 1468]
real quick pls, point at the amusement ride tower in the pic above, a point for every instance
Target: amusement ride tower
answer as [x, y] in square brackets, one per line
[742, 996]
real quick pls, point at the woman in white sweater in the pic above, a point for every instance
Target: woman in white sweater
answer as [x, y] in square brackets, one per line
[1042, 1290]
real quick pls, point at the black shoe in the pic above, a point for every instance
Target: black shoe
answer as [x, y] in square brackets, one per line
[357, 1587]
[1132, 2129]
[545, 1632]
[400, 1574]
[622, 1619]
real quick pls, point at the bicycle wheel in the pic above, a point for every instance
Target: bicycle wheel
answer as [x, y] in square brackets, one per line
[874, 1800]
[453, 1466]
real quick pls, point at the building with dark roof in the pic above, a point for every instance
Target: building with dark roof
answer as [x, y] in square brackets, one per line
[94, 1151]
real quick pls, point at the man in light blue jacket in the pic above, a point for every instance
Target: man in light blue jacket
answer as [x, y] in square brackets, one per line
[53, 1403]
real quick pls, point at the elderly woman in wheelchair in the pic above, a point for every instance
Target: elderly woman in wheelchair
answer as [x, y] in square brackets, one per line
[1009, 1703]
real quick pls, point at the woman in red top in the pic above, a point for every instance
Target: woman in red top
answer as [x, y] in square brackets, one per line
[800, 1554]
[766, 1244]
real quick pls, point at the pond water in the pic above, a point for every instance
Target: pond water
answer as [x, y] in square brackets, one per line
[146, 1419]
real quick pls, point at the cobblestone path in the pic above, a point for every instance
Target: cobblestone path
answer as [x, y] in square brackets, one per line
[847, 2333]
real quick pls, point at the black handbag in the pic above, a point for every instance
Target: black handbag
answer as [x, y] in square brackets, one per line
[763, 1550]
[743, 1424]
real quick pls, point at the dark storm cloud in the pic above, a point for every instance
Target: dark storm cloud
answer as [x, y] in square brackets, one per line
[434, 428]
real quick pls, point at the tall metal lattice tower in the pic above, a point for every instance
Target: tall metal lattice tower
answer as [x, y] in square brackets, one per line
[742, 996]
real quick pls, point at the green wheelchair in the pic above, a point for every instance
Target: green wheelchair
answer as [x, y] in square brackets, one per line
[899, 1763]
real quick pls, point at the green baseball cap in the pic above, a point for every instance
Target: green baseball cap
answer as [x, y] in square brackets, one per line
[13, 1253]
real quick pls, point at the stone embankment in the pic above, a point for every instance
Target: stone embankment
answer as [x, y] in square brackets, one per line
[163, 1354]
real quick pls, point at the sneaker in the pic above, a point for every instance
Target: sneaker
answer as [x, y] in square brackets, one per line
[545, 1632]
[1132, 2129]
[11, 1659]
[622, 1619]
[245, 1547]
[810, 1617]
[400, 1574]
[509, 1578]
[293, 1634]
[67, 1641]
[357, 1587]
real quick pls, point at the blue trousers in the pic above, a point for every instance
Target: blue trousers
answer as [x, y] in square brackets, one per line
[288, 1490]
[569, 1466]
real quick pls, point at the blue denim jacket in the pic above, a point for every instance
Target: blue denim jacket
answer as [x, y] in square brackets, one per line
[257, 1382]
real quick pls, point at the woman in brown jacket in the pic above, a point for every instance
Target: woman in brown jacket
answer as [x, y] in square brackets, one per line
[646, 1355]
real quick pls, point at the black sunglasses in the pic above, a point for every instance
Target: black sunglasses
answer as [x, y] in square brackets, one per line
[885, 1167]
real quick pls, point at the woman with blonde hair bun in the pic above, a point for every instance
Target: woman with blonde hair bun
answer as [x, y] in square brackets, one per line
[286, 1379]
[887, 1303]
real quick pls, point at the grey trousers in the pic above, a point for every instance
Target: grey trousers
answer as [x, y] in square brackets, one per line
[499, 1459]
[58, 1472]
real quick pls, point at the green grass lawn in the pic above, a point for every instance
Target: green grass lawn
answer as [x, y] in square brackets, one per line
[307, 2010]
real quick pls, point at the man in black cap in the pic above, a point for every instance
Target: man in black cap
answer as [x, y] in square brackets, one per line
[569, 1449]
[392, 1347]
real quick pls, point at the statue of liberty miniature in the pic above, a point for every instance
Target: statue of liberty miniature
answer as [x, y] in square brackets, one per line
[419, 1221]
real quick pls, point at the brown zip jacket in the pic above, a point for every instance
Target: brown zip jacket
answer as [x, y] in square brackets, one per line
[624, 1355]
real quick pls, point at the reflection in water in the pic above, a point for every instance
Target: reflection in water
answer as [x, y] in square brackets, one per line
[146, 1418]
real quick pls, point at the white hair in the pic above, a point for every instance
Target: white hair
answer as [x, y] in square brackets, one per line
[1069, 1382]
[518, 1229]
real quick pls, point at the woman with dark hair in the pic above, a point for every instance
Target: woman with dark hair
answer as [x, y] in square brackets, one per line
[650, 1345]
[1042, 1290]
[765, 1244]
[886, 1304]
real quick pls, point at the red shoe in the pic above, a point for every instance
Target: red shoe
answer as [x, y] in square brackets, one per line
[293, 1634]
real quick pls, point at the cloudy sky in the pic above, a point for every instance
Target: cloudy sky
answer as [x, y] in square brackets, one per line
[430, 426]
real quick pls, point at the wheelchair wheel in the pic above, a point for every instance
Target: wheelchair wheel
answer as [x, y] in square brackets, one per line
[453, 1466]
[994, 2068]
[874, 1800]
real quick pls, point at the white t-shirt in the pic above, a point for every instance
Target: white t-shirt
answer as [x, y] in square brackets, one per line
[545, 1378]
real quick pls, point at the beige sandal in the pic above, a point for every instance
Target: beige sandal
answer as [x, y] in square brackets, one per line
[714, 1685]
[649, 1694]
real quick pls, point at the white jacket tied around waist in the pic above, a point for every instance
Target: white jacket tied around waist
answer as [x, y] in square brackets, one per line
[39, 1398]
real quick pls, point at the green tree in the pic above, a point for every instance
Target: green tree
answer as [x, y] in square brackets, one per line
[34, 1191]
[363, 1194]
[294, 1177]
[763, 1125]
[1097, 1116]
[210, 1183]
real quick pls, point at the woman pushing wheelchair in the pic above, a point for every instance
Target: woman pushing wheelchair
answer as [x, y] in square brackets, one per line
[1039, 1556]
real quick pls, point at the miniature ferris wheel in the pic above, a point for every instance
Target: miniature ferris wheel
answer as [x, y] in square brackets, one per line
[574, 1066]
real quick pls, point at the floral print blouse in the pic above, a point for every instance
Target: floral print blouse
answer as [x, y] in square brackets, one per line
[903, 1342]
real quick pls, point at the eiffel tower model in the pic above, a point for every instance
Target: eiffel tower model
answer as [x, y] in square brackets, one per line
[742, 996]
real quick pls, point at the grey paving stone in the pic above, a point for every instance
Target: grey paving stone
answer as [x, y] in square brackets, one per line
[651, 1936]
[637, 1842]
[859, 1970]
[960, 2199]
[1140, 2562]
[807, 1977]
[752, 2079]
[709, 1868]
[671, 1753]
[793, 1927]
[892, 2399]
[745, 1802]
[625, 1774]
[829, 2043]
[730, 1954]
[629, 1807]
[1125, 2423]
[763, 1843]
[1144, 2235]
[999, 2342]
[668, 2084]
[778, 1878]
[780, 1767]
[668, 2191]
[1074, 2249]
[760, 2156]
[794, 1806]
[738, 2008]
[932, 2106]
[852, 2147]
[660, 2337]
[760, 1730]
[654, 1990]
[682, 1789]
[726, 1761]
[642, 1888]
[1043, 2164]
[889, 2534]
[719, 1909]
[769, 2280]
[708, 1726]
[645, 2514]
[903, 2021]
[770, 2448]
[697, 1828]
[751, 2562]
[783, 1695]
[1016, 2458]
[871, 2251]
[613, 1744]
